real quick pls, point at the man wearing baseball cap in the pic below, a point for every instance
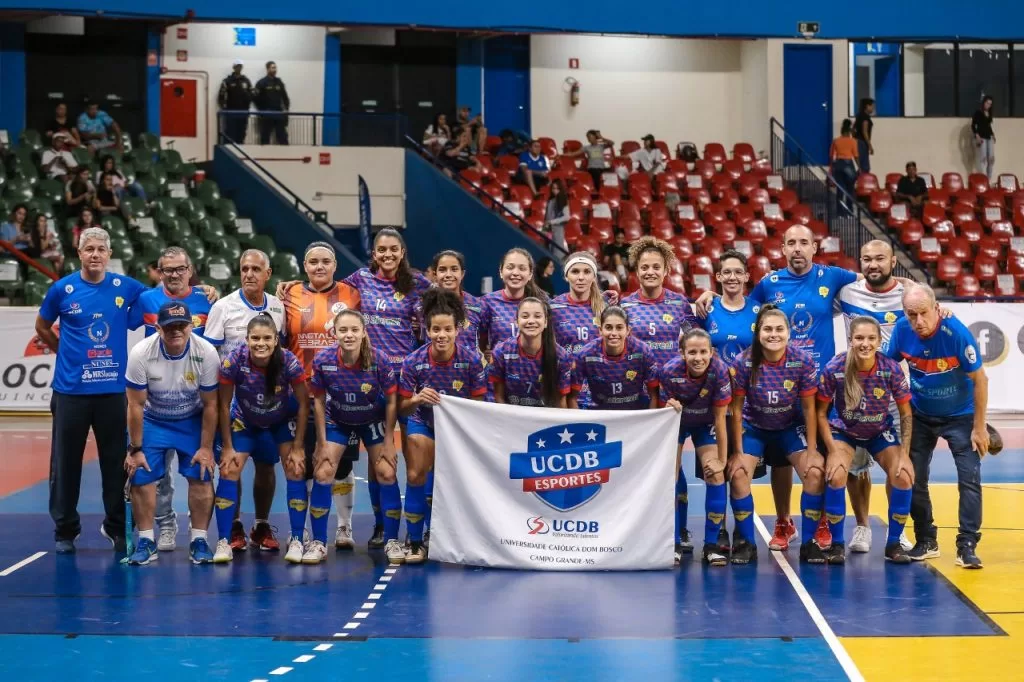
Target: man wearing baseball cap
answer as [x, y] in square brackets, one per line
[234, 99]
[172, 410]
[649, 159]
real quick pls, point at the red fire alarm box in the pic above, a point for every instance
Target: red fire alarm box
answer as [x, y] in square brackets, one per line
[325, 158]
[182, 33]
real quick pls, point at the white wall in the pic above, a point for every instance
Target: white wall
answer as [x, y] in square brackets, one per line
[675, 89]
[943, 144]
[754, 83]
[336, 183]
[298, 51]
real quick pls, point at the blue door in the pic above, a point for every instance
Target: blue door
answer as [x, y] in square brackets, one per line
[807, 112]
[507, 84]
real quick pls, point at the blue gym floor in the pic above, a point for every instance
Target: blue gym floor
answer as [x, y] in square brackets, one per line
[86, 617]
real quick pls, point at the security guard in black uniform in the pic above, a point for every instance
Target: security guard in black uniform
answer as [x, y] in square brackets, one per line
[271, 99]
[235, 95]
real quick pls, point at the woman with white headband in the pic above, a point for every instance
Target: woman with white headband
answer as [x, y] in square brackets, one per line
[575, 315]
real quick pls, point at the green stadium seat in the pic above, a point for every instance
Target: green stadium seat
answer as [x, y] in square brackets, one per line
[210, 228]
[192, 210]
[11, 278]
[149, 185]
[216, 270]
[227, 212]
[41, 206]
[158, 173]
[148, 141]
[139, 269]
[20, 159]
[83, 156]
[114, 225]
[195, 247]
[176, 231]
[228, 247]
[285, 265]
[264, 244]
[30, 173]
[209, 193]
[121, 247]
[150, 248]
[35, 292]
[71, 265]
[36, 276]
[31, 139]
[188, 170]
[142, 160]
[164, 206]
[128, 170]
[18, 190]
[51, 189]
[172, 162]
[133, 207]
[232, 284]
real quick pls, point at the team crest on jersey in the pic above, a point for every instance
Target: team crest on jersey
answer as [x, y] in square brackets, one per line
[457, 385]
[630, 375]
[366, 388]
[879, 392]
[942, 365]
[398, 296]
[667, 319]
[565, 466]
[703, 392]
[338, 307]
[237, 425]
[227, 363]
[823, 291]
[890, 317]
[118, 301]
[190, 377]
[788, 384]
[68, 288]
[732, 371]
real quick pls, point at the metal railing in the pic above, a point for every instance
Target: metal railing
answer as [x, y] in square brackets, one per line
[449, 170]
[844, 215]
[313, 129]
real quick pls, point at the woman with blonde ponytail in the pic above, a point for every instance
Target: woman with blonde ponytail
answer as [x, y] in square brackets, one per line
[575, 315]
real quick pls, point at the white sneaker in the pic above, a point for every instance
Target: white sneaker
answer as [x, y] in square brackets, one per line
[905, 542]
[315, 552]
[394, 552]
[167, 542]
[294, 553]
[343, 538]
[861, 542]
[223, 553]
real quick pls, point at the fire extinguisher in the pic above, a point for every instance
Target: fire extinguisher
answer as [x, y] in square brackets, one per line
[574, 91]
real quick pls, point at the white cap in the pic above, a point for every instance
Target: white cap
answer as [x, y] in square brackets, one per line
[238, 62]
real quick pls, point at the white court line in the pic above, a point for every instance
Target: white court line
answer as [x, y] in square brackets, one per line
[304, 658]
[21, 564]
[280, 671]
[849, 667]
[322, 647]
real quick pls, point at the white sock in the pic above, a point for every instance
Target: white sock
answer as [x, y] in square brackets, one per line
[194, 533]
[309, 486]
[258, 522]
[147, 534]
[344, 499]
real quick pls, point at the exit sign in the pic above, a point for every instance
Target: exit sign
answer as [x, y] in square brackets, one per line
[808, 27]
[574, 63]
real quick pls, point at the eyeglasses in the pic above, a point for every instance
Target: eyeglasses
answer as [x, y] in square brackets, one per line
[170, 272]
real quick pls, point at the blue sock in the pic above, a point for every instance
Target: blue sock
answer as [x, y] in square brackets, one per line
[430, 498]
[391, 508]
[714, 508]
[297, 507]
[810, 511]
[224, 505]
[378, 515]
[415, 510]
[899, 510]
[743, 512]
[320, 509]
[682, 505]
[835, 512]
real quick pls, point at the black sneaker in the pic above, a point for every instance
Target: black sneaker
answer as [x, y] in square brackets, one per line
[686, 544]
[965, 556]
[376, 540]
[724, 545]
[714, 556]
[744, 552]
[836, 554]
[924, 549]
[895, 553]
[811, 553]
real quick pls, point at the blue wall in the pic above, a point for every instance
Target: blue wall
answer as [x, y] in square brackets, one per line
[12, 79]
[441, 215]
[154, 42]
[469, 74]
[868, 19]
[332, 89]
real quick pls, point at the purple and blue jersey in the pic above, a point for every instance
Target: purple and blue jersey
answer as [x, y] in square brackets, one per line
[698, 396]
[808, 300]
[354, 394]
[623, 382]
[470, 331]
[731, 331]
[883, 383]
[659, 322]
[573, 322]
[498, 318]
[773, 403]
[253, 406]
[463, 376]
[389, 314]
[521, 373]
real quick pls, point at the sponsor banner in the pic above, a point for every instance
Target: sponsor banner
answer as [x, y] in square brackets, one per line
[559, 490]
[26, 364]
[998, 329]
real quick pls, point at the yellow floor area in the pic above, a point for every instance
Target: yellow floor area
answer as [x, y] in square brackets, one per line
[998, 590]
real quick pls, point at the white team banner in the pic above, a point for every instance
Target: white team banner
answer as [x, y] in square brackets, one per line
[998, 328]
[557, 490]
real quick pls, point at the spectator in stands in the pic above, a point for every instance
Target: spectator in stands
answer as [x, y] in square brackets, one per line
[271, 98]
[437, 134]
[594, 151]
[984, 138]
[648, 158]
[60, 123]
[95, 127]
[912, 190]
[616, 255]
[863, 129]
[477, 131]
[543, 274]
[106, 201]
[153, 274]
[534, 168]
[844, 165]
[15, 224]
[108, 166]
[57, 162]
[512, 144]
[43, 243]
[235, 95]
[86, 220]
[79, 191]
[556, 214]
[458, 151]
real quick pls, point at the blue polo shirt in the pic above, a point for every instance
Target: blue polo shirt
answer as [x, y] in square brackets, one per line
[731, 331]
[939, 364]
[144, 312]
[93, 351]
[808, 300]
[535, 164]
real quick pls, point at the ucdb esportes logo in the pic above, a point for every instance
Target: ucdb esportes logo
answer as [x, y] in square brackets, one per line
[565, 466]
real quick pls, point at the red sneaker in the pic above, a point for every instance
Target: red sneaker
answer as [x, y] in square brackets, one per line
[262, 538]
[823, 536]
[785, 531]
[238, 540]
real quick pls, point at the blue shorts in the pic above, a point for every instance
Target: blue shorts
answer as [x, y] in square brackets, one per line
[774, 447]
[351, 434]
[701, 434]
[262, 444]
[418, 428]
[874, 446]
[160, 438]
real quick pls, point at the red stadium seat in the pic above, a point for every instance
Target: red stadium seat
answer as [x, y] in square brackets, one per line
[947, 269]
[880, 202]
[570, 146]
[678, 168]
[801, 213]
[628, 147]
[724, 231]
[700, 264]
[657, 211]
[758, 266]
[666, 183]
[1006, 285]
[501, 176]
[699, 284]
[748, 184]
[818, 229]
[492, 195]
[960, 248]
[472, 177]
[911, 232]
[628, 225]
[977, 183]
[966, 196]
[583, 179]
[682, 247]
[932, 214]
[548, 147]
[591, 245]
[771, 248]
[714, 152]
[967, 285]
[865, 185]
[663, 147]
[1003, 231]
[509, 163]
[704, 168]
[898, 214]
[952, 182]
[961, 213]
[720, 184]
[787, 200]
[522, 195]
[714, 213]
[611, 195]
[693, 230]
[994, 197]
[676, 282]
[928, 250]
[743, 214]
[662, 228]
[1008, 183]
[990, 247]
[755, 232]
[939, 197]
[758, 198]
[985, 269]
[892, 181]
[631, 230]
[943, 230]
[713, 247]
[971, 231]
[743, 151]
[1015, 265]
[991, 215]
[775, 184]
[573, 231]
[733, 168]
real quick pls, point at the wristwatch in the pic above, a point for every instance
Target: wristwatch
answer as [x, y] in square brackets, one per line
[132, 449]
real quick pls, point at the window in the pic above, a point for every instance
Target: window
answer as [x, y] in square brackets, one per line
[875, 74]
[984, 69]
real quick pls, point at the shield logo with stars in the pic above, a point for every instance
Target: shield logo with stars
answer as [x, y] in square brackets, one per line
[565, 466]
